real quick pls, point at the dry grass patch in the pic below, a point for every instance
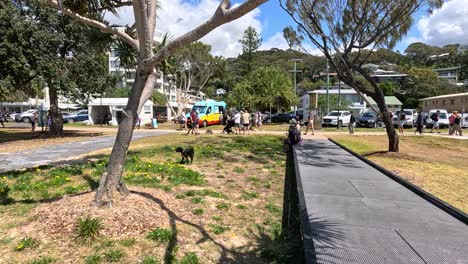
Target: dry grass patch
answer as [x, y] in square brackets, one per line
[436, 164]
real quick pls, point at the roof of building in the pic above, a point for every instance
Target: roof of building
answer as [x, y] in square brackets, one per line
[389, 100]
[444, 96]
[113, 101]
[448, 69]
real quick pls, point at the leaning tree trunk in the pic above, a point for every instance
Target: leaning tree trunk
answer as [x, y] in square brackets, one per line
[111, 179]
[56, 126]
[393, 138]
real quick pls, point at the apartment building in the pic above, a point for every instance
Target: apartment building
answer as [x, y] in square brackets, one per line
[450, 102]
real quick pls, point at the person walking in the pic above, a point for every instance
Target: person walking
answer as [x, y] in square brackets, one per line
[452, 122]
[456, 128]
[352, 122]
[245, 120]
[34, 119]
[435, 121]
[237, 123]
[259, 120]
[401, 122]
[419, 123]
[310, 124]
[194, 119]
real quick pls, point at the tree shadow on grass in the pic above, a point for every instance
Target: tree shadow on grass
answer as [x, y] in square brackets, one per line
[259, 251]
[17, 135]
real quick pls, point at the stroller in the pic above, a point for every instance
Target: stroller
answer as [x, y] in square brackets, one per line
[228, 127]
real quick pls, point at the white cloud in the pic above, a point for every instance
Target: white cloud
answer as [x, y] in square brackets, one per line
[447, 25]
[178, 17]
[275, 41]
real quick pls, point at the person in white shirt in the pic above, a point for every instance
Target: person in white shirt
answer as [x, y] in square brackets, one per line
[237, 123]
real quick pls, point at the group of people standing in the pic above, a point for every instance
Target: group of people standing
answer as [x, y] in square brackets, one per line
[242, 121]
[190, 123]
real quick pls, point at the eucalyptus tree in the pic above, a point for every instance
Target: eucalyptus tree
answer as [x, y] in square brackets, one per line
[346, 30]
[148, 61]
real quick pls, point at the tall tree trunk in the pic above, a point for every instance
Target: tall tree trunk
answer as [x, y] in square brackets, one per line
[111, 179]
[56, 126]
[393, 138]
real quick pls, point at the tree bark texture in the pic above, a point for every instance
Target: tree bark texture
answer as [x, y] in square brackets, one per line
[111, 180]
[393, 138]
[56, 125]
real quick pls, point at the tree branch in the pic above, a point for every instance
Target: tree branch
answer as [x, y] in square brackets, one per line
[97, 24]
[223, 15]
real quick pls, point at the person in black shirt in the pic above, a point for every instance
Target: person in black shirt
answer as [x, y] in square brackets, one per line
[352, 122]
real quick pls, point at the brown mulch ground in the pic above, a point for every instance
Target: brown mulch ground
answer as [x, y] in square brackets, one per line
[59, 218]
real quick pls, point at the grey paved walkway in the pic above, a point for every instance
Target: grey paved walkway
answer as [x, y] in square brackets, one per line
[53, 153]
[358, 215]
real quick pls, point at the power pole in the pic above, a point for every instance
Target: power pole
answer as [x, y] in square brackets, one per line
[295, 85]
[328, 86]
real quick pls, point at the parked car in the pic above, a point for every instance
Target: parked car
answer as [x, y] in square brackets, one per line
[13, 116]
[282, 117]
[26, 116]
[369, 119]
[410, 120]
[464, 123]
[336, 117]
[76, 116]
[443, 118]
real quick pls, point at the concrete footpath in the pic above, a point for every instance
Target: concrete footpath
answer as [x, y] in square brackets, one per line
[352, 213]
[54, 153]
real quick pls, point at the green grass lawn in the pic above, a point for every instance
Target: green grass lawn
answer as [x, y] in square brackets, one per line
[231, 195]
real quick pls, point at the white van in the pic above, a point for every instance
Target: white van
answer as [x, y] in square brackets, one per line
[464, 121]
[443, 118]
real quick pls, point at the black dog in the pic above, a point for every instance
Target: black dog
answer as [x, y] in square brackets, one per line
[186, 154]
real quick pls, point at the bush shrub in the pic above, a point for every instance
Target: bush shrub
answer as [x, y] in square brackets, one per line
[88, 229]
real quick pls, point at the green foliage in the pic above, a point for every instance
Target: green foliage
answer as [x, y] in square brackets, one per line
[263, 88]
[218, 229]
[127, 242]
[113, 255]
[197, 211]
[249, 195]
[189, 258]
[150, 260]
[238, 170]
[4, 191]
[241, 206]
[29, 49]
[222, 206]
[158, 98]
[250, 41]
[273, 208]
[93, 259]
[205, 192]
[217, 218]
[88, 229]
[118, 92]
[161, 235]
[25, 243]
[198, 200]
[42, 260]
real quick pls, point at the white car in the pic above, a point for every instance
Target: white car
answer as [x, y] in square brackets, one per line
[26, 116]
[443, 118]
[410, 120]
[336, 117]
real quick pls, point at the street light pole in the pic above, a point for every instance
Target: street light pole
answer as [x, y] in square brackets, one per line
[328, 86]
[295, 84]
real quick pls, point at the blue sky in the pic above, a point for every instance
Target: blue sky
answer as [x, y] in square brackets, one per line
[447, 25]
